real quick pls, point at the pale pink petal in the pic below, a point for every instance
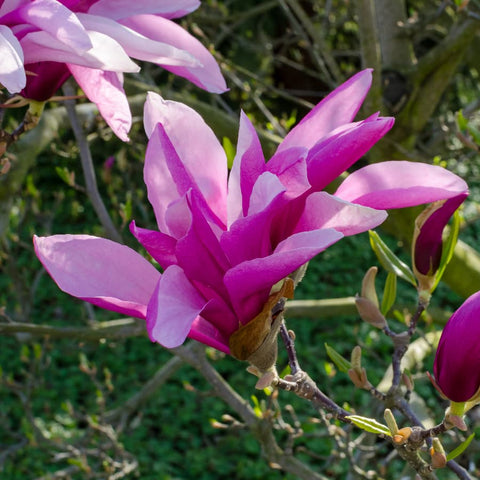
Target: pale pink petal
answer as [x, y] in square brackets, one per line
[400, 184]
[337, 108]
[60, 22]
[206, 75]
[332, 156]
[174, 306]
[205, 164]
[248, 165]
[326, 211]
[137, 45]
[99, 271]
[249, 283]
[106, 53]
[12, 73]
[118, 9]
[105, 89]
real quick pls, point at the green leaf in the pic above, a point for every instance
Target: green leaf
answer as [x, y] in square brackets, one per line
[340, 362]
[462, 122]
[67, 176]
[389, 260]
[389, 293]
[257, 409]
[369, 425]
[460, 449]
[229, 151]
[448, 248]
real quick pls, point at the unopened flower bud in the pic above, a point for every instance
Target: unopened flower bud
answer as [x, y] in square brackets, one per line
[368, 286]
[391, 422]
[439, 458]
[402, 436]
[370, 313]
[357, 373]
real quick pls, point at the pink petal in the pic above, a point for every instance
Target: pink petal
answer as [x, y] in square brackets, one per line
[332, 156]
[118, 9]
[99, 271]
[106, 53]
[339, 107]
[12, 74]
[249, 283]
[137, 45]
[105, 89]
[326, 211]
[399, 184]
[59, 22]
[248, 165]
[206, 75]
[174, 306]
[205, 164]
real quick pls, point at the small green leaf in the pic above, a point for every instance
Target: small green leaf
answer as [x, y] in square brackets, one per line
[389, 260]
[448, 248]
[389, 293]
[462, 122]
[340, 362]
[369, 425]
[460, 449]
[67, 176]
[257, 409]
[229, 151]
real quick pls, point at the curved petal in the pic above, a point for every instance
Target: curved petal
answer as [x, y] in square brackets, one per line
[12, 74]
[45, 79]
[99, 271]
[249, 283]
[60, 22]
[106, 53]
[118, 9]
[174, 306]
[105, 89]
[399, 184]
[136, 45]
[331, 157]
[326, 211]
[206, 75]
[338, 108]
[458, 354]
[205, 163]
[248, 165]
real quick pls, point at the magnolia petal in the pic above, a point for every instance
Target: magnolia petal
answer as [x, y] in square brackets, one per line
[118, 9]
[58, 21]
[174, 306]
[106, 53]
[160, 246]
[105, 89]
[249, 283]
[338, 108]
[137, 45]
[400, 184]
[206, 74]
[99, 271]
[12, 74]
[206, 333]
[326, 211]
[458, 353]
[331, 157]
[248, 165]
[205, 164]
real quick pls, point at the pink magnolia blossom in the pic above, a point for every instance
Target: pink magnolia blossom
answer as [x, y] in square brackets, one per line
[43, 42]
[223, 241]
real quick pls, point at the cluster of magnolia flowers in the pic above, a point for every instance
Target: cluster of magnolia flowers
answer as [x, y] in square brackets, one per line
[226, 242]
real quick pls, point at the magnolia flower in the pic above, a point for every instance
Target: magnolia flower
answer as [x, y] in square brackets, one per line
[227, 242]
[457, 360]
[43, 42]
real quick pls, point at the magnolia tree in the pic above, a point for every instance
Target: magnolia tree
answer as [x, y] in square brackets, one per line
[233, 238]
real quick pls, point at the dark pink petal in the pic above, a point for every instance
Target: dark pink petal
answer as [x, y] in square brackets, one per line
[326, 211]
[174, 306]
[400, 184]
[249, 283]
[335, 154]
[204, 332]
[248, 165]
[206, 74]
[46, 79]
[338, 108]
[105, 89]
[458, 353]
[159, 245]
[99, 271]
